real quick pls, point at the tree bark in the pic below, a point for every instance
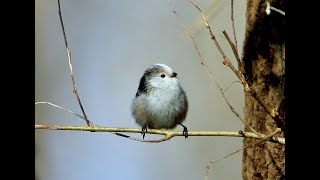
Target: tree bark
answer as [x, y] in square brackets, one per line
[264, 64]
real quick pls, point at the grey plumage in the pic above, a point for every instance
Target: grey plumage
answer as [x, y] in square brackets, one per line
[160, 101]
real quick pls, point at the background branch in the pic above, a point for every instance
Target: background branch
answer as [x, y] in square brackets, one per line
[75, 91]
[233, 27]
[252, 145]
[94, 125]
[220, 89]
[213, 37]
[89, 123]
[235, 52]
[208, 70]
[269, 8]
[273, 112]
[59, 107]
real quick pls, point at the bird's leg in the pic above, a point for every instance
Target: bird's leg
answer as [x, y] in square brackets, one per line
[185, 130]
[144, 130]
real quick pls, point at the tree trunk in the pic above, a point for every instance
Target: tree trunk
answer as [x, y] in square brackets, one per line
[264, 64]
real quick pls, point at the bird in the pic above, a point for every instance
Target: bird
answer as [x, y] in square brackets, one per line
[160, 102]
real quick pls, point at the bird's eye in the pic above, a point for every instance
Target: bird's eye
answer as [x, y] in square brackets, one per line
[162, 75]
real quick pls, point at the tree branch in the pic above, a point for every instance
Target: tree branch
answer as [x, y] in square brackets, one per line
[167, 133]
[269, 8]
[59, 107]
[235, 52]
[277, 130]
[75, 91]
[233, 27]
[265, 138]
[221, 90]
[273, 112]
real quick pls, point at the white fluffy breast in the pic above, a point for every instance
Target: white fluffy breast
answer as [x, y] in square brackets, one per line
[163, 105]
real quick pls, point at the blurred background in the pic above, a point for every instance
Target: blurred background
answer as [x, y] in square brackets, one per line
[112, 43]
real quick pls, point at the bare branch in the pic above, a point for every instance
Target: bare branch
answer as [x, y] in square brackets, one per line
[235, 52]
[167, 133]
[143, 140]
[233, 27]
[231, 85]
[265, 138]
[220, 89]
[91, 124]
[273, 112]
[209, 29]
[207, 69]
[269, 8]
[67, 110]
[75, 91]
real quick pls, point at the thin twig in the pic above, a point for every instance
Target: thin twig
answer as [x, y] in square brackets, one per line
[67, 110]
[209, 29]
[91, 124]
[235, 52]
[233, 27]
[278, 10]
[265, 138]
[220, 89]
[269, 8]
[273, 112]
[231, 85]
[75, 91]
[167, 133]
[166, 138]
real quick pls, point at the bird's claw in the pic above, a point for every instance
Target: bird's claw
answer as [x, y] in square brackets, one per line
[144, 131]
[185, 131]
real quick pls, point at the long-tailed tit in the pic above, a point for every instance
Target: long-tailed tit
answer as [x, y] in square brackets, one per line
[160, 102]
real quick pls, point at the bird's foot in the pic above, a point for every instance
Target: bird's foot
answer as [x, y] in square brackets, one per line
[185, 130]
[144, 131]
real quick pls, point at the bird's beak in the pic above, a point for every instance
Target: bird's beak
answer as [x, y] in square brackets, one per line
[174, 74]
